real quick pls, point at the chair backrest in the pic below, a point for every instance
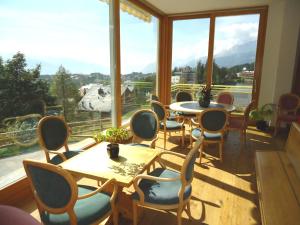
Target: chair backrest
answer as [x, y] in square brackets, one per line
[289, 103]
[183, 96]
[213, 120]
[53, 133]
[187, 170]
[54, 189]
[154, 98]
[159, 109]
[225, 98]
[247, 110]
[144, 124]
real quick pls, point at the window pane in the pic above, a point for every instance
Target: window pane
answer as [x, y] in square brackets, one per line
[139, 38]
[234, 57]
[54, 61]
[189, 55]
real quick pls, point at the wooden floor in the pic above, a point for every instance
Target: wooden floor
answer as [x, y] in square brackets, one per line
[223, 193]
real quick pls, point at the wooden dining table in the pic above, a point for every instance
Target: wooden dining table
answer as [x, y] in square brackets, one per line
[193, 107]
[95, 163]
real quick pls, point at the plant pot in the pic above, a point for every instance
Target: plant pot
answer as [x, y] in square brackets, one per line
[113, 150]
[204, 103]
[262, 125]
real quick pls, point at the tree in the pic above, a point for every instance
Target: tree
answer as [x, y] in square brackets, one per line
[200, 71]
[20, 88]
[66, 92]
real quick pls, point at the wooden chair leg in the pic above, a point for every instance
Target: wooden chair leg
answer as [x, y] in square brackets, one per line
[165, 139]
[183, 136]
[115, 215]
[135, 215]
[221, 151]
[188, 208]
[179, 219]
[201, 151]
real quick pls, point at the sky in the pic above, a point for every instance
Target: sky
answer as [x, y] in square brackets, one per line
[75, 34]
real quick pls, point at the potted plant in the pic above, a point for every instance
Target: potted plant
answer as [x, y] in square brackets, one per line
[114, 135]
[262, 116]
[205, 96]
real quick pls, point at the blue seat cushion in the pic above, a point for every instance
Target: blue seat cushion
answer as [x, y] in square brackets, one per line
[171, 125]
[139, 144]
[172, 116]
[196, 133]
[87, 210]
[163, 193]
[68, 154]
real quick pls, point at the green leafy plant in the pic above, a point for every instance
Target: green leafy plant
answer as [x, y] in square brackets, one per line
[114, 135]
[264, 113]
[205, 94]
[262, 116]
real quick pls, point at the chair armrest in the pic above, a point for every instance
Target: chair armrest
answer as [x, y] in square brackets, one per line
[194, 122]
[60, 154]
[159, 157]
[138, 178]
[113, 196]
[171, 153]
[152, 143]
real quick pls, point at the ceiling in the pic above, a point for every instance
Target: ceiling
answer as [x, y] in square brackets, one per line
[183, 6]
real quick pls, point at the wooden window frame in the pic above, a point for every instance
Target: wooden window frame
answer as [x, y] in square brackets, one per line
[262, 11]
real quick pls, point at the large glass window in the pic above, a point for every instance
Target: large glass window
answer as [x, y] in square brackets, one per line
[54, 60]
[234, 57]
[139, 44]
[189, 55]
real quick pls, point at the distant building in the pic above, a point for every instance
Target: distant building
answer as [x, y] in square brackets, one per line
[247, 76]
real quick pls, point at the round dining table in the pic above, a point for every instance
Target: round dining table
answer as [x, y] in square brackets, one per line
[193, 107]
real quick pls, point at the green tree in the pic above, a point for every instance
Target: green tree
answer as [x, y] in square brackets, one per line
[66, 92]
[200, 71]
[21, 88]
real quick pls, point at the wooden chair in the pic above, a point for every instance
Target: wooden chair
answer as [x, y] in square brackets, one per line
[53, 134]
[287, 110]
[13, 216]
[183, 96]
[211, 127]
[154, 97]
[61, 201]
[144, 126]
[240, 122]
[225, 98]
[165, 124]
[164, 188]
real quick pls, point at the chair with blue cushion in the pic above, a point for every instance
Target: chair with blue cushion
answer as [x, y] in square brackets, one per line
[167, 125]
[61, 201]
[184, 96]
[144, 127]
[211, 127]
[53, 134]
[165, 188]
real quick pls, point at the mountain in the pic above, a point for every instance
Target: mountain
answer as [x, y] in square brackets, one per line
[237, 55]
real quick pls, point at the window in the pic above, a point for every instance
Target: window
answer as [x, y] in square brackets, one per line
[139, 40]
[54, 61]
[218, 51]
[234, 57]
[189, 55]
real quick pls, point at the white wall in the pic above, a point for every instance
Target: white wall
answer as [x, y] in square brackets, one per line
[280, 49]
